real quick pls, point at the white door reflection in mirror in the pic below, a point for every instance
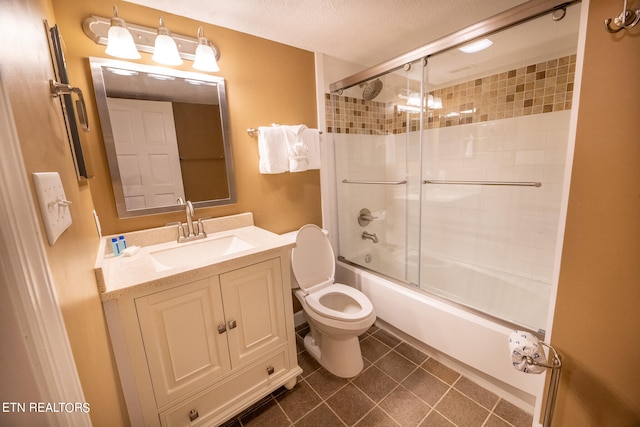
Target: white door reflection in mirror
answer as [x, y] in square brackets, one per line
[146, 148]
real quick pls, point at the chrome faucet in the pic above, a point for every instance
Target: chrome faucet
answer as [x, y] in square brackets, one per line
[370, 236]
[190, 213]
[192, 232]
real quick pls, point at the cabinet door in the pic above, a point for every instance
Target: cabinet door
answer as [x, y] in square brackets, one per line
[183, 346]
[254, 307]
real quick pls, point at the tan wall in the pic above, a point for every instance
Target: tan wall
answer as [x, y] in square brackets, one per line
[266, 83]
[26, 69]
[597, 314]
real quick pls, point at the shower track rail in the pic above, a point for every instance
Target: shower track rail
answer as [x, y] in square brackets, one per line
[511, 17]
[356, 181]
[510, 183]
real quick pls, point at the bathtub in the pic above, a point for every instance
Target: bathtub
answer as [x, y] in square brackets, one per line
[472, 340]
[513, 299]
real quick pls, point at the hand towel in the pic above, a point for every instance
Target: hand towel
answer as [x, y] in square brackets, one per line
[273, 150]
[523, 344]
[311, 138]
[297, 150]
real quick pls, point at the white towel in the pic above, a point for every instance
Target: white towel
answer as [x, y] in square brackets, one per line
[523, 344]
[311, 138]
[291, 148]
[298, 161]
[273, 149]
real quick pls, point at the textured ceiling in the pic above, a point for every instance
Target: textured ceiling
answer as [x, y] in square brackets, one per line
[365, 32]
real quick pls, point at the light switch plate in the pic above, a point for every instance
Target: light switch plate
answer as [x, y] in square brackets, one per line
[54, 205]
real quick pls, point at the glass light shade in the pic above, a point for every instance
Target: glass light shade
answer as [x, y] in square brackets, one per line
[120, 42]
[205, 58]
[165, 50]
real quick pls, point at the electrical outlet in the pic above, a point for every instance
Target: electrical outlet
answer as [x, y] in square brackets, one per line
[54, 205]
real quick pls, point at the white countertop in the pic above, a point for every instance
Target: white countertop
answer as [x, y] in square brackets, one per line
[121, 275]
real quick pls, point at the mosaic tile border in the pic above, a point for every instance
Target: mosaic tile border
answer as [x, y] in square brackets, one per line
[533, 89]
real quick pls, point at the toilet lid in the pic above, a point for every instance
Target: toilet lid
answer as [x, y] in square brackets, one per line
[312, 260]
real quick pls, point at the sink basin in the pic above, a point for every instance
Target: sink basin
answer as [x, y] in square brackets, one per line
[200, 251]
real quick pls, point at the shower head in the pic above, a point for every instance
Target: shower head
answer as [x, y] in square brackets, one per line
[371, 89]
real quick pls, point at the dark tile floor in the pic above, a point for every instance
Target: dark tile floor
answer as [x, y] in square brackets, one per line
[399, 386]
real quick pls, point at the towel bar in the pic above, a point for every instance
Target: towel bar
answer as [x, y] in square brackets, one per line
[254, 131]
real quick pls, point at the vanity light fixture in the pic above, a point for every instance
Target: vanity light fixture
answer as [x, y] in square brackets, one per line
[144, 39]
[165, 50]
[476, 46]
[205, 56]
[120, 42]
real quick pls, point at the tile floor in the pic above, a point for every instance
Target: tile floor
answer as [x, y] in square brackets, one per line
[399, 386]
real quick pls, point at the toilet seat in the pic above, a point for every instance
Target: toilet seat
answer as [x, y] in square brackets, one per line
[357, 304]
[313, 265]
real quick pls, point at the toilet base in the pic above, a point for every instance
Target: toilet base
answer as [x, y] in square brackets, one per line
[341, 357]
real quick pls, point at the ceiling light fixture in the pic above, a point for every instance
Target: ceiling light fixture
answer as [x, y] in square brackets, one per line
[145, 39]
[165, 50]
[205, 55]
[120, 42]
[476, 46]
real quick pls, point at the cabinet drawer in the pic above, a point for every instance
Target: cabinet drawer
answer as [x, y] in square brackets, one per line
[229, 397]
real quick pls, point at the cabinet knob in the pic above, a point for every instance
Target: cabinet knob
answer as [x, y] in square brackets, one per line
[232, 324]
[270, 370]
[222, 328]
[193, 415]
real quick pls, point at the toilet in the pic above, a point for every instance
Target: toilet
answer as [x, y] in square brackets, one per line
[337, 314]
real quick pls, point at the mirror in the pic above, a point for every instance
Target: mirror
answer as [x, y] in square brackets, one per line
[166, 135]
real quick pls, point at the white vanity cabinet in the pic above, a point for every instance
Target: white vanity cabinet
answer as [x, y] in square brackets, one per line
[196, 351]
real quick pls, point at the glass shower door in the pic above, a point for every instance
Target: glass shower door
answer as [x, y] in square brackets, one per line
[377, 150]
[494, 151]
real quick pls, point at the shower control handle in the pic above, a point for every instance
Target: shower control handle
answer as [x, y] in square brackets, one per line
[365, 217]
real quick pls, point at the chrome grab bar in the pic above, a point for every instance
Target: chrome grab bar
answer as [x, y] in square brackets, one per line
[513, 183]
[356, 181]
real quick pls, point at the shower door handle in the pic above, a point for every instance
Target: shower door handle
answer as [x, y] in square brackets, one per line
[357, 181]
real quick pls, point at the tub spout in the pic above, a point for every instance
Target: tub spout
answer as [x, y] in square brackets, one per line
[370, 236]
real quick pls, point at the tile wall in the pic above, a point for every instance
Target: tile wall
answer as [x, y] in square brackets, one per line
[532, 89]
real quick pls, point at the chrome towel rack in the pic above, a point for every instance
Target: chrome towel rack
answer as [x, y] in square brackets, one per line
[254, 131]
[511, 183]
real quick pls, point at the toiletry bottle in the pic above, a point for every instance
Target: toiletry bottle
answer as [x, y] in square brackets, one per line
[122, 244]
[115, 247]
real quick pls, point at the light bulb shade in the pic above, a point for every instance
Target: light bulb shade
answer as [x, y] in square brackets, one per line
[165, 50]
[120, 42]
[205, 58]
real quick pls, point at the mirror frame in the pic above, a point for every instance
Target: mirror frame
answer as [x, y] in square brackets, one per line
[97, 65]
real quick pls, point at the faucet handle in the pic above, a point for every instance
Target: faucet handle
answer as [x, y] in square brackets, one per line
[201, 228]
[181, 235]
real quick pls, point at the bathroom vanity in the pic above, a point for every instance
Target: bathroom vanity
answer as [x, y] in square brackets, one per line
[200, 330]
